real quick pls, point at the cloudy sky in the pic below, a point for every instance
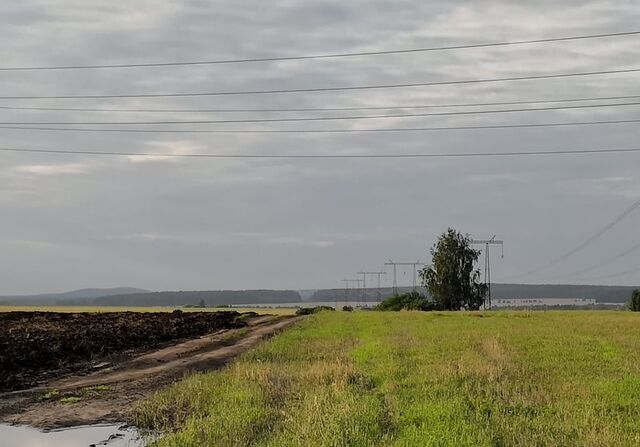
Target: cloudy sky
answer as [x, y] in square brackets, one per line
[72, 221]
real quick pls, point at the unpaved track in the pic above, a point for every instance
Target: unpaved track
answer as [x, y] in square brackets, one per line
[135, 379]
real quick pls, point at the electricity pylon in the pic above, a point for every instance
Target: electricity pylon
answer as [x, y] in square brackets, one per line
[395, 279]
[364, 279]
[347, 282]
[487, 263]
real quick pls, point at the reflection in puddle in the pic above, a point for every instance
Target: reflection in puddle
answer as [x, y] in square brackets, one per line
[92, 435]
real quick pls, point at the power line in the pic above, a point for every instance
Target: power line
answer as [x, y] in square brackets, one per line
[333, 156]
[613, 258]
[589, 240]
[347, 283]
[321, 118]
[320, 109]
[614, 275]
[302, 131]
[364, 287]
[413, 265]
[321, 56]
[332, 89]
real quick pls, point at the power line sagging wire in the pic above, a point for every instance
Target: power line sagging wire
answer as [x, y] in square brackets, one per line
[320, 118]
[589, 240]
[321, 109]
[330, 89]
[322, 56]
[322, 131]
[607, 261]
[334, 156]
[612, 275]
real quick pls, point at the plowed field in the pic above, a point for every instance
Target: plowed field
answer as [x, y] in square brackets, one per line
[36, 346]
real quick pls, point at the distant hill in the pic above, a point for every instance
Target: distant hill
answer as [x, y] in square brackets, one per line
[80, 296]
[211, 298]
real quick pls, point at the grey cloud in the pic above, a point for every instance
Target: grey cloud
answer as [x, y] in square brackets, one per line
[75, 221]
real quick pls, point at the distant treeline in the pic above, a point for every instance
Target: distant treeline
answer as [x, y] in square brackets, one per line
[210, 298]
[602, 294]
[138, 297]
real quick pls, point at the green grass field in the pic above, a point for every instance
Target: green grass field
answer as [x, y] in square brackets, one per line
[260, 310]
[419, 379]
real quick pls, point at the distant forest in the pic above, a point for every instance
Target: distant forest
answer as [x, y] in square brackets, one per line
[602, 294]
[139, 297]
[210, 298]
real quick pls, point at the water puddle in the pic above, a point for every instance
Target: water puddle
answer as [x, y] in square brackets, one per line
[107, 435]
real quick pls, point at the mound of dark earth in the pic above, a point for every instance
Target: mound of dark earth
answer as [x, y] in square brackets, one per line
[36, 346]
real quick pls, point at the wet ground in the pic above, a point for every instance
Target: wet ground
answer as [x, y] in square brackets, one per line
[108, 394]
[113, 435]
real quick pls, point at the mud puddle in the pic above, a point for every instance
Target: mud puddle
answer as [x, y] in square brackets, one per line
[108, 435]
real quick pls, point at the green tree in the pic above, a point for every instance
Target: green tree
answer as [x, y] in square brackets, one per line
[634, 304]
[451, 279]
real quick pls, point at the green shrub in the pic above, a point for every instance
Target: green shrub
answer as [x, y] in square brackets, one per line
[312, 310]
[321, 309]
[406, 301]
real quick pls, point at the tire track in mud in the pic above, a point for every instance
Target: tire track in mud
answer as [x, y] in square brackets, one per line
[130, 381]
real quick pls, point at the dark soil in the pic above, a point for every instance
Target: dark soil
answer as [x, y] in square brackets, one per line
[36, 346]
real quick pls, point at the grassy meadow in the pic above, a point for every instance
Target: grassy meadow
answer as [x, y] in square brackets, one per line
[36, 308]
[419, 379]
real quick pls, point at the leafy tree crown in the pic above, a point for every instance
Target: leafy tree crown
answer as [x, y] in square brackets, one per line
[451, 279]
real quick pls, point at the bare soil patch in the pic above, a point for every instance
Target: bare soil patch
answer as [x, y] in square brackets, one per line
[38, 346]
[107, 394]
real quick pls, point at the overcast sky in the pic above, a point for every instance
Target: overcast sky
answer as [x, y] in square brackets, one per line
[72, 221]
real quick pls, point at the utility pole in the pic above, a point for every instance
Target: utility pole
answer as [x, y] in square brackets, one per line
[364, 288]
[346, 288]
[364, 278]
[395, 280]
[349, 281]
[395, 276]
[487, 263]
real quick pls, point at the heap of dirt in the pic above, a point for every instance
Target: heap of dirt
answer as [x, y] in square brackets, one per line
[36, 346]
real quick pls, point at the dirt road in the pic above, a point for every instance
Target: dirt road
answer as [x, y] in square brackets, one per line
[37, 347]
[107, 395]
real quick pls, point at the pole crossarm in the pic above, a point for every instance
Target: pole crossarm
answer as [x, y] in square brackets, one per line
[404, 263]
[348, 281]
[395, 264]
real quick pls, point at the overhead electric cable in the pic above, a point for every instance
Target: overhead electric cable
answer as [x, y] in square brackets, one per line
[589, 240]
[320, 109]
[317, 118]
[329, 89]
[320, 131]
[611, 275]
[609, 260]
[320, 56]
[332, 156]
